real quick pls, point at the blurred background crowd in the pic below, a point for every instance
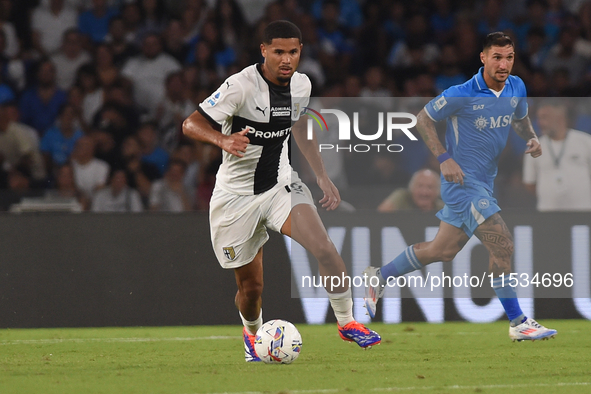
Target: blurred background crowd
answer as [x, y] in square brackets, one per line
[93, 93]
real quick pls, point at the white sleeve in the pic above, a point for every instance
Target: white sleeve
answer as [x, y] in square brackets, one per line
[530, 175]
[224, 102]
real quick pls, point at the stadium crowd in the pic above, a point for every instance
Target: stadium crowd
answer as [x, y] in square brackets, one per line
[93, 93]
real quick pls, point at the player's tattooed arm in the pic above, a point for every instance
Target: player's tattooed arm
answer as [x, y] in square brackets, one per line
[525, 130]
[450, 170]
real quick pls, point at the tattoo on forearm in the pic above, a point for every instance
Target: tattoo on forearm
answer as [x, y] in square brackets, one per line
[524, 128]
[426, 129]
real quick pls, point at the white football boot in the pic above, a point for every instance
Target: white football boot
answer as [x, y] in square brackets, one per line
[372, 293]
[530, 330]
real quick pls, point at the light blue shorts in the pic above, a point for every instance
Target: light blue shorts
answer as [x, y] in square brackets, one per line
[466, 207]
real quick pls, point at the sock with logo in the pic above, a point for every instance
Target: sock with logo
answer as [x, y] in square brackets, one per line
[405, 262]
[252, 326]
[508, 297]
[342, 305]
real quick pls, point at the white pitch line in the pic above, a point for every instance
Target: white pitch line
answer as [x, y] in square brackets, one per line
[413, 388]
[118, 340]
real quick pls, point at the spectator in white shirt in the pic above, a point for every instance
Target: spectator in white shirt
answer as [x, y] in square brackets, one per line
[118, 196]
[69, 59]
[49, 25]
[90, 173]
[148, 73]
[169, 194]
[561, 177]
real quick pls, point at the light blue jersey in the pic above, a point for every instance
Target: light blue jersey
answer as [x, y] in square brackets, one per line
[478, 124]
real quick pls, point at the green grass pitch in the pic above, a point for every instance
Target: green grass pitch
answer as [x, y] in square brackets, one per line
[413, 357]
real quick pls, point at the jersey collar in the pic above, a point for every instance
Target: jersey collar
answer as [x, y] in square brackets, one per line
[273, 86]
[482, 86]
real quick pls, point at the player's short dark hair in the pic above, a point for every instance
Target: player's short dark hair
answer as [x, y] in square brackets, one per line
[497, 39]
[281, 29]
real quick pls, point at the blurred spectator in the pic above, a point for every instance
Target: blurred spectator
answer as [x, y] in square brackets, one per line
[17, 148]
[193, 17]
[173, 110]
[19, 185]
[40, 104]
[492, 19]
[131, 18]
[105, 68]
[49, 25]
[422, 194]
[151, 151]
[563, 55]
[148, 73]
[140, 175]
[174, 43]
[442, 21]
[94, 23]
[417, 49]
[153, 17]
[69, 59]
[58, 142]
[536, 19]
[12, 71]
[334, 38]
[169, 193]
[66, 186]
[536, 49]
[94, 97]
[90, 173]
[449, 70]
[374, 84]
[12, 43]
[118, 196]
[348, 12]
[223, 56]
[187, 153]
[230, 22]
[122, 47]
[561, 177]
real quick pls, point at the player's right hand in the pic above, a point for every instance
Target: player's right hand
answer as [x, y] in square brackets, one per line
[236, 143]
[452, 172]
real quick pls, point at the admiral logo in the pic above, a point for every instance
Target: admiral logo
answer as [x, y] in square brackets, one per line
[280, 111]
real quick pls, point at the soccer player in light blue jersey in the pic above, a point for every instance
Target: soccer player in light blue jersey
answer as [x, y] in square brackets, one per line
[479, 114]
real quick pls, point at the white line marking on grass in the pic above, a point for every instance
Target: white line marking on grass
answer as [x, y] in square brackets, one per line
[413, 388]
[109, 340]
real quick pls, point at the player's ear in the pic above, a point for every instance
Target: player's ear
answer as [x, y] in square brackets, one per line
[263, 50]
[482, 57]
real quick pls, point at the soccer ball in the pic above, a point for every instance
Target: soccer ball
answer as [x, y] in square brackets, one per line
[278, 342]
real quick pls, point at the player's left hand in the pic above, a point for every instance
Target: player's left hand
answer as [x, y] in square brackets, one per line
[332, 198]
[534, 148]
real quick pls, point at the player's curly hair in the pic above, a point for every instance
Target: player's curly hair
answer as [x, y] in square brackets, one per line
[281, 29]
[497, 39]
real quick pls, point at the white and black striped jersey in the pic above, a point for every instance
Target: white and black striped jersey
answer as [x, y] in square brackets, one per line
[248, 100]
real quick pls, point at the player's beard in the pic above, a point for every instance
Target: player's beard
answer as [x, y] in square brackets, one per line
[283, 79]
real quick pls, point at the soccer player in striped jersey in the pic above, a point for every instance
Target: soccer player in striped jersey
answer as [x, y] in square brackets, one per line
[250, 117]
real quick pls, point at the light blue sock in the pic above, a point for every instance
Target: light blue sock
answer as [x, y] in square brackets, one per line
[508, 298]
[404, 263]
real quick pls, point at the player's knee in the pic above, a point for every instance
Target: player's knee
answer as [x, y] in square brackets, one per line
[324, 250]
[448, 254]
[251, 290]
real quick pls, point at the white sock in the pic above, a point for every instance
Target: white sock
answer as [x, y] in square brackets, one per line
[342, 305]
[252, 326]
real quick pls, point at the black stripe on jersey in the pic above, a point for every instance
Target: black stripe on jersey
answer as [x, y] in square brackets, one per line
[269, 135]
[213, 123]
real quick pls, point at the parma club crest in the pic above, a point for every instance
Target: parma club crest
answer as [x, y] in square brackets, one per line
[229, 253]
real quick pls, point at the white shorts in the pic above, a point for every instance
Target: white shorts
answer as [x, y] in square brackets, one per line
[239, 223]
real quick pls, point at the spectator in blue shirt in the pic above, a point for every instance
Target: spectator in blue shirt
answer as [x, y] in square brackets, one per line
[152, 152]
[58, 142]
[39, 105]
[349, 15]
[95, 22]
